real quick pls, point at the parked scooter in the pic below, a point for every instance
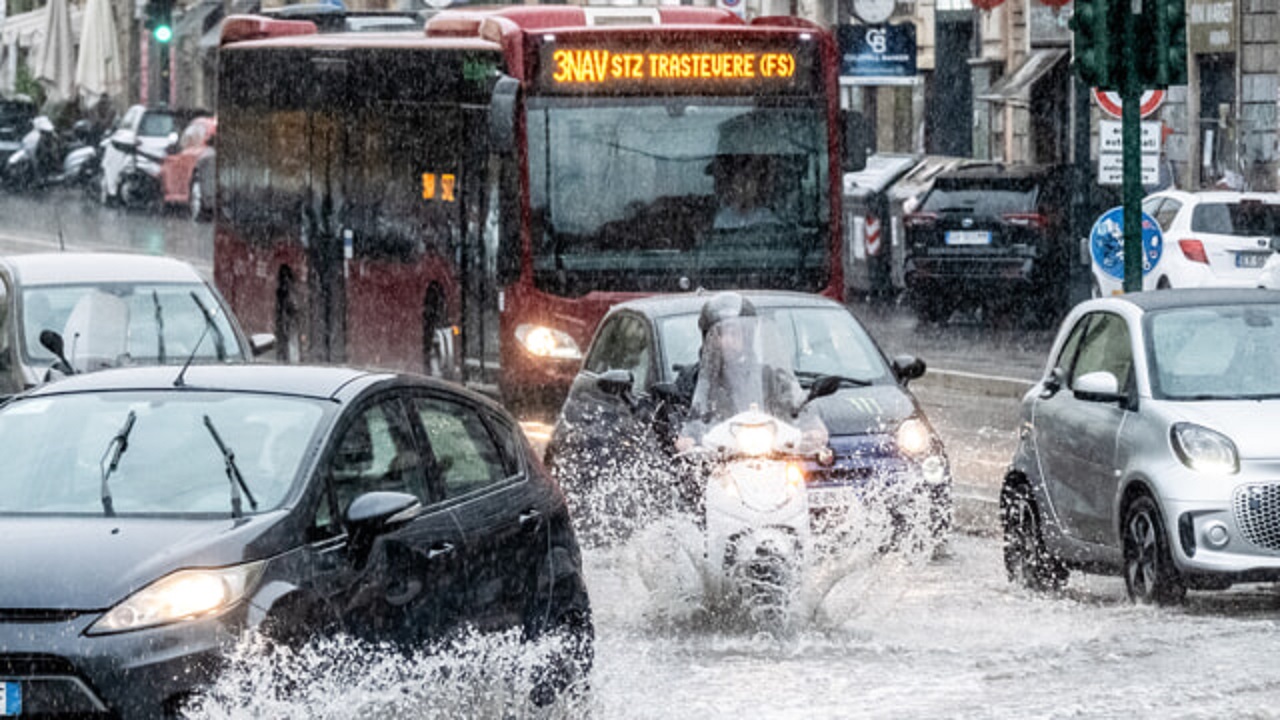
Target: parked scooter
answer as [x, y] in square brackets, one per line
[41, 162]
[139, 179]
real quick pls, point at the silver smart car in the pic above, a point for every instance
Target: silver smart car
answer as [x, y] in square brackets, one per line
[1150, 448]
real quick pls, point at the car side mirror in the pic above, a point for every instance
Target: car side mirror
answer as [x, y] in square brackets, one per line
[1098, 386]
[822, 387]
[374, 513]
[907, 368]
[615, 382]
[668, 393]
[262, 343]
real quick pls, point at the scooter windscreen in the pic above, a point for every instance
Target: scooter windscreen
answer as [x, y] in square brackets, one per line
[746, 366]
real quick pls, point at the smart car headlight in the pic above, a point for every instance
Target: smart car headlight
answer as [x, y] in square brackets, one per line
[183, 595]
[1205, 450]
[913, 437]
[543, 341]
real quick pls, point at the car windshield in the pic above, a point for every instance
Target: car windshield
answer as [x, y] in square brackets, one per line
[110, 324]
[1248, 219]
[157, 125]
[821, 341]
[981, 198]
[1218, 352]
[55, 449]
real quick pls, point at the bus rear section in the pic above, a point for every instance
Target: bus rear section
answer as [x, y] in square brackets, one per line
[350, 177]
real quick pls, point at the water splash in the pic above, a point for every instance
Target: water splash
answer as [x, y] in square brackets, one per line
[475, 675]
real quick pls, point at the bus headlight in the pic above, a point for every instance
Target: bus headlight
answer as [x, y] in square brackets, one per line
[543, 341]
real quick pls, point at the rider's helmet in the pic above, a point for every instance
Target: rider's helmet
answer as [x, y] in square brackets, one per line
[722, 306]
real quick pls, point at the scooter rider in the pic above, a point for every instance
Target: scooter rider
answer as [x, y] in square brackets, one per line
[735, 370]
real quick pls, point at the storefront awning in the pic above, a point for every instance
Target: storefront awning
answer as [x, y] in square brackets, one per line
[27, 29]
[1015, 88]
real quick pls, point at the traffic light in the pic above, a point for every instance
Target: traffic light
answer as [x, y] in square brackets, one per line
[160, 20]
[1094, 57]
[1163, 37]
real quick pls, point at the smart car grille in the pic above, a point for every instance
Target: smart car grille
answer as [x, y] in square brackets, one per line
[1257, 511]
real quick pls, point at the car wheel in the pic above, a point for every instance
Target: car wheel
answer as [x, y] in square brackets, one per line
[195, 201]
[932, 309]
[1164, 283]
[1026, 559]
[1149, 574]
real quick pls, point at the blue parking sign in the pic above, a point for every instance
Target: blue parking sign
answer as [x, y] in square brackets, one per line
[1106, 243]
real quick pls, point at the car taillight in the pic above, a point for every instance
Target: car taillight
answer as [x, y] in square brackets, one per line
[1028, 220]
[920, 219]
[1193, 250]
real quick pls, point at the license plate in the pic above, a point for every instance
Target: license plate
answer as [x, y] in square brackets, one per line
[10, 699]
[968, 237]
[1251, 259]
[832, 497]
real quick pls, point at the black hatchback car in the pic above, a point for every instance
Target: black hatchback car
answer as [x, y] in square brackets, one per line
[991, 236]
[152, 516]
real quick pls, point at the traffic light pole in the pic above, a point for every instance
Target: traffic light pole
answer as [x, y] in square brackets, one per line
[1131, 137]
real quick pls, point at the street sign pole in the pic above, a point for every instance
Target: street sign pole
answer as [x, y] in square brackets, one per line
[1130, 97]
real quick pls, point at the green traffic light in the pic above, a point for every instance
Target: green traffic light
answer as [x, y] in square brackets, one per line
[163, 33]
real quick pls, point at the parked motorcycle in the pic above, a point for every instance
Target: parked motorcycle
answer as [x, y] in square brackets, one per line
[139, 179]
[45, 159]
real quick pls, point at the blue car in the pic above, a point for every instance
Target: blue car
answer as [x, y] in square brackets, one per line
[611, 447]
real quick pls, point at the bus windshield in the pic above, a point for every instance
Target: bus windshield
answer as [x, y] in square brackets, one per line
[660, 195]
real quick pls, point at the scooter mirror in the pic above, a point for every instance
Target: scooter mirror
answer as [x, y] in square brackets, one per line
[615, 382]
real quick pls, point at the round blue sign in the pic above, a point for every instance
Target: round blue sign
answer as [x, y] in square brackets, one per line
[1106, 243]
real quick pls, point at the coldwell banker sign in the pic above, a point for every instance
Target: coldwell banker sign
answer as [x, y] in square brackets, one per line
[877, 50]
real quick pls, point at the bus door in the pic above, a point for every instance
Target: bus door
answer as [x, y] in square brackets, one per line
[324, 223]
[478, 257]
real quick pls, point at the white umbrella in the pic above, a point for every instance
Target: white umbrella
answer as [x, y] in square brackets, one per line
[98, 70]
[55, 66]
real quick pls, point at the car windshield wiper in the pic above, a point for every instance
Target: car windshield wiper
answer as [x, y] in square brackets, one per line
[119, 443]
[155, 300]
[810, 377]
[219, 343]
[233, 473]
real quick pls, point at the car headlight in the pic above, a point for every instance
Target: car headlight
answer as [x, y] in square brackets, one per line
[754, 439]
[1205, 450]
[548, 342]
[913, 437]
[183, 595]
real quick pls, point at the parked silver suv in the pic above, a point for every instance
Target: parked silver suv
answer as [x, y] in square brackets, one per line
[1149, 447]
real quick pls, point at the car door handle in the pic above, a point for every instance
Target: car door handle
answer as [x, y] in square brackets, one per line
[440, 550]
[529, 517]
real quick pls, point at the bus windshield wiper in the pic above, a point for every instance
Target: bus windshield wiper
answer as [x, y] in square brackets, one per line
[233, 473]
[119, 443]
[155, 300]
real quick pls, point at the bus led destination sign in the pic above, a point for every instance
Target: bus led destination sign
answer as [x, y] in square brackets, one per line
[604, 66]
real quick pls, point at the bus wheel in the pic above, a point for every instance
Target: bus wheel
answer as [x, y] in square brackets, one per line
[288, 333]
[434, 342]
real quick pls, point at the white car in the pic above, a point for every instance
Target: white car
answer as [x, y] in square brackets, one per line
[1211, 239]
[132, 155]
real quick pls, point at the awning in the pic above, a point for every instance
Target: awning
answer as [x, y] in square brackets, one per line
[192, 22]
[27, 29]
[1015, 88]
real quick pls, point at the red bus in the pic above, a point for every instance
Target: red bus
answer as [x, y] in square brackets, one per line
[470, 199]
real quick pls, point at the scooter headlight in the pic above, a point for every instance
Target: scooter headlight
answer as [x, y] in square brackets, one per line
[548, 342]
[754, 439]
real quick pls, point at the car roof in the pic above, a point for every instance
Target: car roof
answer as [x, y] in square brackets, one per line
[997, 171]
[1199, 297]
[657, 306]
[314, 381]
[70, 268]
[1218, 196]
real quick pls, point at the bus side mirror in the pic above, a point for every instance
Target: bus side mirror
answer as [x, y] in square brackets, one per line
[853, 149]
[502, 115]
